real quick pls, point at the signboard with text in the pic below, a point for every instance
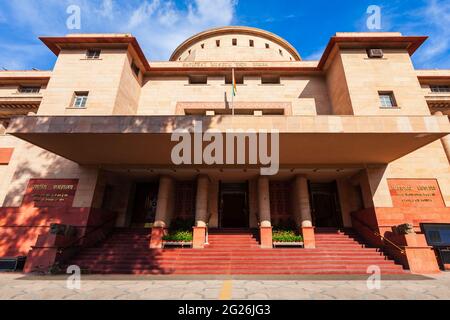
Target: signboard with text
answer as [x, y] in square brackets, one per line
[51, 192]
[423, 193]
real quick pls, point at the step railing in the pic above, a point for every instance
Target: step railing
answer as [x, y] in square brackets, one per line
[77, 243]
[379, 235]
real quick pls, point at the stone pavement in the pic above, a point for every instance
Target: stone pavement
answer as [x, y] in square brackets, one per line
[21, 287]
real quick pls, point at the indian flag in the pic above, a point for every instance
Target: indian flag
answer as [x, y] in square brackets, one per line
[234, 84]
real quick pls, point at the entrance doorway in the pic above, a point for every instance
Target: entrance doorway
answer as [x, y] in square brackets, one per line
[145, 200]
[326, 211]
[233, 205]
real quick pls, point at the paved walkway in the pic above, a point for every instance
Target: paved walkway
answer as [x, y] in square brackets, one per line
[18, 286]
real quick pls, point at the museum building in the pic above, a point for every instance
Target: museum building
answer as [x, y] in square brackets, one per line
[87, 175]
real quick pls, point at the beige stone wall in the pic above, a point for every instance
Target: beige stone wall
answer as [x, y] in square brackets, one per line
[428, 162]
[337, 88]
[30, 162]
[101, 77]
[129, 90]
[395, 72]
[308, 94]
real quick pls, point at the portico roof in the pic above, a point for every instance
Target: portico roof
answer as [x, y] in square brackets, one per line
[304, 140]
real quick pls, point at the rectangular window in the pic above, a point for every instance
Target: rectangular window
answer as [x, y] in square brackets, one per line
[28, 90]
[440, 88]
[387, 99]
[198, 79]
[267, 46]
[93, 53]
[234, 42]
[270, 79]
[252, 43]
[135, 69]
[217, 43]
[80, 99]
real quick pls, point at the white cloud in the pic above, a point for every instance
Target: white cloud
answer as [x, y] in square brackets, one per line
[143, 13]
[435, 20]
[107, 9]
[431, 19]
[21, 56]
[159, 25]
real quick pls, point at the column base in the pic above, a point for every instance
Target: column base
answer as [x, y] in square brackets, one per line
[309, 239]
[156, 239]
[266, 237]
[199, 237]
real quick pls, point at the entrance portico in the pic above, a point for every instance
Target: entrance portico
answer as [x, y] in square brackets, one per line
[233, 198]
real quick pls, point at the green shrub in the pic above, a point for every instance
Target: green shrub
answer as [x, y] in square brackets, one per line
[179, 236]
[286, 236]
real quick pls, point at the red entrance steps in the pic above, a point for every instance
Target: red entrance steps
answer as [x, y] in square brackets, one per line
[233, 251]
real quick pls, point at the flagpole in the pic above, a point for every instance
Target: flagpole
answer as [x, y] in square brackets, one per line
[232, 91]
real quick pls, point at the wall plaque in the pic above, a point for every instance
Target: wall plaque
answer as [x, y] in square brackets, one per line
[423, 193]
[51, 192]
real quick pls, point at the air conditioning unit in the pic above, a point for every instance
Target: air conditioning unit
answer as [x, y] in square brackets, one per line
[375, 53]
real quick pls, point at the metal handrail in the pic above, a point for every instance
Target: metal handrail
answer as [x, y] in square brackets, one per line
[376, 233]
[73, 243]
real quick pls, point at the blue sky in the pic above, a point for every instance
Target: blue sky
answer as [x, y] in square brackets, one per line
[160, 25]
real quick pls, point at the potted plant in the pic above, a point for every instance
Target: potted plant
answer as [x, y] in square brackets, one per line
[285, 235]
[180, 233]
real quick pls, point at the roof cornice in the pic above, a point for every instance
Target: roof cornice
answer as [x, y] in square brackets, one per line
[411, 43]
[55, 44]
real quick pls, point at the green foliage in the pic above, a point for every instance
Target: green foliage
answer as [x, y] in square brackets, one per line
[178, 236]
[286, 236]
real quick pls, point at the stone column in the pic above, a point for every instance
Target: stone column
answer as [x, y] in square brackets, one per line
[265, 224]
[163, 208]
[445, 140]
[303, 211]
[201, 212]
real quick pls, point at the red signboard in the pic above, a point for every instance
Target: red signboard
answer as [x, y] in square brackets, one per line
[423, 193]
[51, 193]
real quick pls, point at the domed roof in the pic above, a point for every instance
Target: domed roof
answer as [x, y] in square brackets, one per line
[235, 43]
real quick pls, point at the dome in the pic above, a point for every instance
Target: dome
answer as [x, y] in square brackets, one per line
[235, 44]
